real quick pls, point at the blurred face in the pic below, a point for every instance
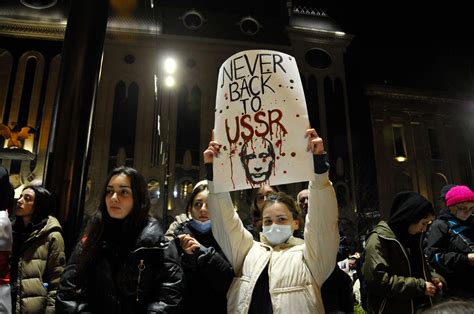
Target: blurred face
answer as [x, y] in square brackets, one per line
[303, 201]
[462, 211]
[421, 225]
[257, 160]
[260, 197]
[119, 197]
[279, 214]
[199, 206]
[25, 204]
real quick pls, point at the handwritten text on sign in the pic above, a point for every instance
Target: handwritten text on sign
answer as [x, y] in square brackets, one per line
[260, 121]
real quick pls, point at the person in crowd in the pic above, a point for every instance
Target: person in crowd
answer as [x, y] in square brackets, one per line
[302, 199]
[397, 275]
[206, 269]
[256, 209]
[122, 263]
[442, 196]
[280, 274]
[7, 195]
[38, 258]
[451, 306]
[450, 242]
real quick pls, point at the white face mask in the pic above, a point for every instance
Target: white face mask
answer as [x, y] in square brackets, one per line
[277, 234]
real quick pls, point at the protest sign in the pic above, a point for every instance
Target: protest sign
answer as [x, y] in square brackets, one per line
[260, 121]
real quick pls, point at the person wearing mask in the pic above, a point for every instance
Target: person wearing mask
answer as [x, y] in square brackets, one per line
[280, 274]
[256, 209]
[397, 275]
[450, 242]
[122, 263]
[38, 252]
[7, 195]
[206, 269]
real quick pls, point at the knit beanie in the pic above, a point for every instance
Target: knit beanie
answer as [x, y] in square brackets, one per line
[459, 194]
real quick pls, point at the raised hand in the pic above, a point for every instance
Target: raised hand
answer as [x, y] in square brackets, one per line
[188, 243]
[315, 143]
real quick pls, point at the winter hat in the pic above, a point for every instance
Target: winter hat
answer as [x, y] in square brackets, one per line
[445, 189]
[459, 194]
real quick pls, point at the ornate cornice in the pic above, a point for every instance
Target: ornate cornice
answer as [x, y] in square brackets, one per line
[407, 94]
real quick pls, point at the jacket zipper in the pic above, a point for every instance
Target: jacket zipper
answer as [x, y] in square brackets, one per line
[141, 268]
[408, 263]
[424, 266]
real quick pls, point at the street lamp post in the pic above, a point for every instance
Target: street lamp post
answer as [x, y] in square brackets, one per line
[169, 69]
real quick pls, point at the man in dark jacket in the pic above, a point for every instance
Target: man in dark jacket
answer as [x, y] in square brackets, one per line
[450, 242]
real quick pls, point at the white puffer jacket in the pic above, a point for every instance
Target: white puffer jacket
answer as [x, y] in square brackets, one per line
[296, 268]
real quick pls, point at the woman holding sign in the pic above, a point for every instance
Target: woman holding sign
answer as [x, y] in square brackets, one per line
[281, 274]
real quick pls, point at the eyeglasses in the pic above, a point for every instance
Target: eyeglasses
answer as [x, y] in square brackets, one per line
[465, 209]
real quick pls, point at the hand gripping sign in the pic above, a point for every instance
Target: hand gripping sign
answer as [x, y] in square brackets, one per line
[260, 121]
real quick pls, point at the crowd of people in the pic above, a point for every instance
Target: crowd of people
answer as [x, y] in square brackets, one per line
[291, 259]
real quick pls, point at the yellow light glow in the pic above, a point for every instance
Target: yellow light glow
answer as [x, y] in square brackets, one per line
[170, 65]
[169, 81]
[400, 158]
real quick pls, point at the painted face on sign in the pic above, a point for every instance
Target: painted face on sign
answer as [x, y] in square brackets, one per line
[258, 158]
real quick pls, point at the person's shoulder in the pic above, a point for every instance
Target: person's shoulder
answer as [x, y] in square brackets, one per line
[151, 234]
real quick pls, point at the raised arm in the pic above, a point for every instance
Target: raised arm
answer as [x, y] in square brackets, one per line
[321, 232]
[227, 228]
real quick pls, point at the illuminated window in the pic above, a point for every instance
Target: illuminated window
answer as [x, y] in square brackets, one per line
[399, 143]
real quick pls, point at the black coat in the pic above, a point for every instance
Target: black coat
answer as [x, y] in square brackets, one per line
[448, 243]
[147, 278]
[208, 273]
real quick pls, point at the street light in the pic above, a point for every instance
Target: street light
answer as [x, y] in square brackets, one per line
[168, 71]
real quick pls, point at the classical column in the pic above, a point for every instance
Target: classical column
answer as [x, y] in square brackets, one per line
[69, 144]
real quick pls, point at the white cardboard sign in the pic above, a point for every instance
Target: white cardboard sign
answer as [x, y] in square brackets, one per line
[260, 120]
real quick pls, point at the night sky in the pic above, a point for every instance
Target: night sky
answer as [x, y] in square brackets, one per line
[429, 47]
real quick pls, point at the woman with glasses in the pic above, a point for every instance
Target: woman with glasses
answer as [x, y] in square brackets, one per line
[398, 278]
[206, 269]
[280, 274]
[450, 242]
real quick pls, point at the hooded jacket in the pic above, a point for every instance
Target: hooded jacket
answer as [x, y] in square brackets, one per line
[40, 265]
[146, 278]
[296, 269]
[448, 243]
[395, 269]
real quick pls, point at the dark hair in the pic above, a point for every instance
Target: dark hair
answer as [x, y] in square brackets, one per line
[285, 199]
[256, 213]
[7, 194]
[198, 189]
[132, 224]
[44, 204]
[451, 306]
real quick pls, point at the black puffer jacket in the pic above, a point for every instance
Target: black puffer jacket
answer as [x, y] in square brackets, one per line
[448, 243]
[207, 271]
[147, 278]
